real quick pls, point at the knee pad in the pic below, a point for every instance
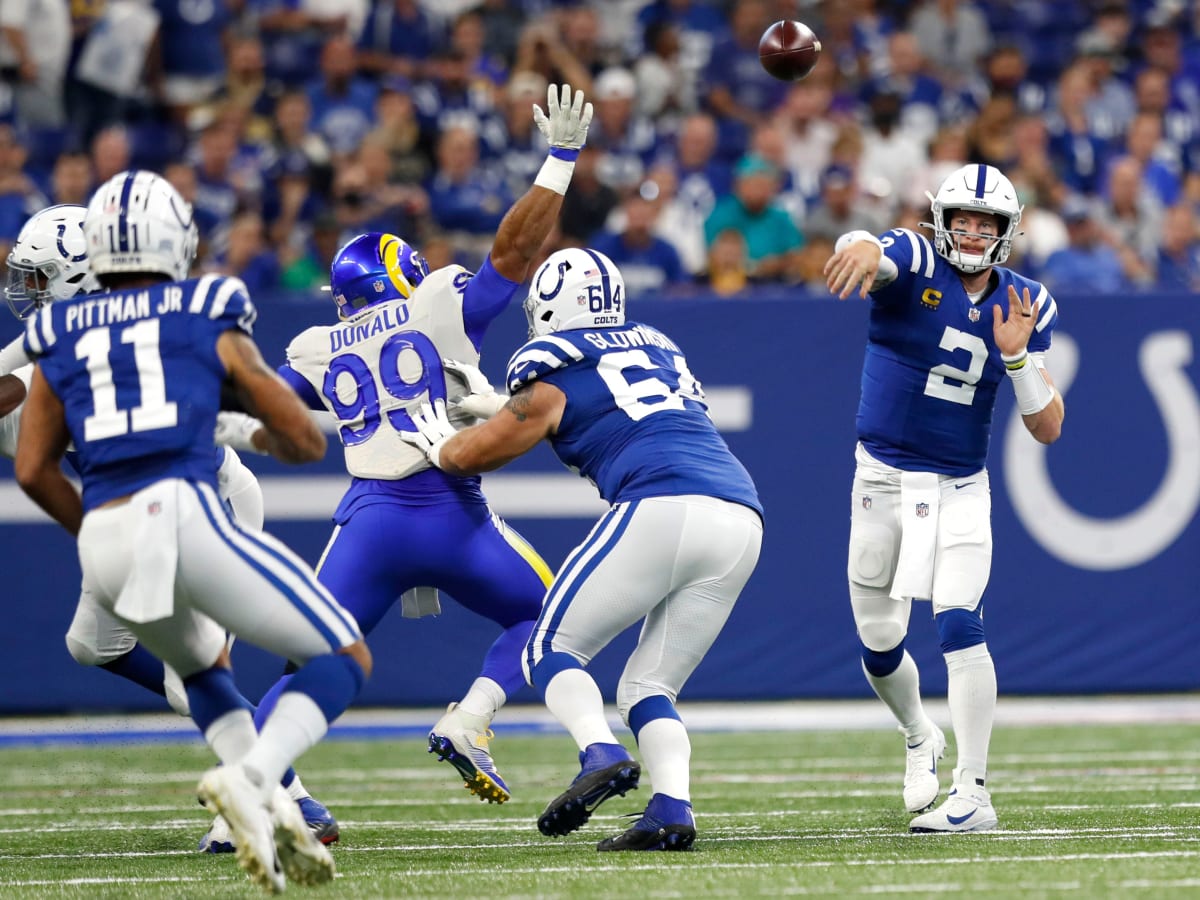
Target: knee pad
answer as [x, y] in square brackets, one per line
[960, 628]
[87, 654]
[882, 635]
[881, 663]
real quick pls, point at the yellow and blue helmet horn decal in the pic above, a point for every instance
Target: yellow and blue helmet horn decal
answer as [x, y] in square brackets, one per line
[404, 266]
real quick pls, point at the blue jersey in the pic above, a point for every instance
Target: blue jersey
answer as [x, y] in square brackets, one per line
[932, 368]
[138, 375]
[635, 423]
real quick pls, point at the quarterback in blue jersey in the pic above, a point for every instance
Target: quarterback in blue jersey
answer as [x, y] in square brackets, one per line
[947, 324]
[404, 530]
[619, 405]
[132, 378]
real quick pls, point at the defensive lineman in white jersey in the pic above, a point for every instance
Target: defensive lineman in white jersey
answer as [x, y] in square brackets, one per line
[947, 324]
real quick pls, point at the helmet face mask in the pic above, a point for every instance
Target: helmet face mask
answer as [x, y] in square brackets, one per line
[48, 261]
[138, 223]
[374, 268]
[980, 189]
[575, 288]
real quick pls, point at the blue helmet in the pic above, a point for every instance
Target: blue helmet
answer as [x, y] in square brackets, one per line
[374, 268]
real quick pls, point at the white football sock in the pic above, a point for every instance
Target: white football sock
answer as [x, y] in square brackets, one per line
[295, 724]
[483, 699]
[901, 691]
[575, 700]
[228, 735]
[296, 790]
[666, 753]
[972, 696]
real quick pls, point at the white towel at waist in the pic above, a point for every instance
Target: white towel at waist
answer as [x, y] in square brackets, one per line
[918, 537]
[149, 593]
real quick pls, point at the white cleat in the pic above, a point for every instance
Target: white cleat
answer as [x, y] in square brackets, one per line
[920, 773]
[304, 858]
[967, 808]
[228, 792]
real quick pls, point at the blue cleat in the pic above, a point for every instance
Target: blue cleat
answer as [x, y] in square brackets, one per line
[320, 820]
[667, 824]
[606, 770]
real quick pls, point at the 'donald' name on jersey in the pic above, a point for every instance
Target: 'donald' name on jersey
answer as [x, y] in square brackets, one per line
[138, 373]
[371, 370]
[635, 422]
[932, 367]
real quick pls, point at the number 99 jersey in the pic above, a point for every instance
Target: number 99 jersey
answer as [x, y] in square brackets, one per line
[371, 369]
[932, 367]
[635, 421]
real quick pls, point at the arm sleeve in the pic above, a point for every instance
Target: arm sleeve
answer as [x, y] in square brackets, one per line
[301, 386]
[486, 295]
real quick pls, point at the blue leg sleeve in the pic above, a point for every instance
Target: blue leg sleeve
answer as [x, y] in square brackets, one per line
[883, 663]
[960, 628]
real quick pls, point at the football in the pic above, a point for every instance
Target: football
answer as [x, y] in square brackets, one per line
[788, 50]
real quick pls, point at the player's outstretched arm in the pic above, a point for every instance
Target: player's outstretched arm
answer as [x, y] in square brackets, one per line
[531, 414]
[291, 434]
[41, 442]
[528, 223]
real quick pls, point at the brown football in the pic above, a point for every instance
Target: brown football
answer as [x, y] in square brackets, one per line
[788, 50]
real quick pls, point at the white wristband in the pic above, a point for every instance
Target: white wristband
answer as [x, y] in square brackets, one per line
[555, 174]
[1033, 393]
[13, 356]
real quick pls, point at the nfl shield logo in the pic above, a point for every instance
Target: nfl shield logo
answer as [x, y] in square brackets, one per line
[973, 313]
[378, 285]
[866, 502]
[922, 510]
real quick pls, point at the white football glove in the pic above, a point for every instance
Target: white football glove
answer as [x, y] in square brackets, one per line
[433, 430]
[236, 430]
[566, 125]
[482, 402]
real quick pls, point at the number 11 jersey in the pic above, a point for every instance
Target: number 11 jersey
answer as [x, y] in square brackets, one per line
[138, 375]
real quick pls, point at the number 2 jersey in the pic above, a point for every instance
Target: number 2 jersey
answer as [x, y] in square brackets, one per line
[635, 423]
[139, 377]
[370, 370]
[932, 368]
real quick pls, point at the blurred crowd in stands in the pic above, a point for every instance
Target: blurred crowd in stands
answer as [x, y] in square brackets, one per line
[292, 125]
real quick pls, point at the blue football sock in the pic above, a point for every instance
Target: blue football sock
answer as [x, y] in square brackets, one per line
[140, 666]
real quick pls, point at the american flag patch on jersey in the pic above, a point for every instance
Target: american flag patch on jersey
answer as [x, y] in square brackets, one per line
[922, 510]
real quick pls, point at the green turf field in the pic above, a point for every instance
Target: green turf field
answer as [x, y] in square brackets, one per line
[1085, 811]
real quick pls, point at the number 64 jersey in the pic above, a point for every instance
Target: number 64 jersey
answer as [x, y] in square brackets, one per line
[932, 367]
[370, 369]
[635, 422]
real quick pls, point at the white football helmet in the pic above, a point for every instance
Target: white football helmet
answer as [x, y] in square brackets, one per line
[575, 288]
[137, 222]
[48, 261]
[983, 189]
